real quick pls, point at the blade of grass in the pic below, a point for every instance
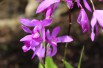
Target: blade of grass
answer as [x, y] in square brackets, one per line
[66, 64]
[79, 64]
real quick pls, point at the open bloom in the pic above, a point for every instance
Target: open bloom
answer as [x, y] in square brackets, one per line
[83, 20]
[52, 39]
[45, 4]
[49, 6]
[97, 17]
[31, 41]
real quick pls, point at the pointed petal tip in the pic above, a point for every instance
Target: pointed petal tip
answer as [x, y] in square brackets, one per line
[92, 36]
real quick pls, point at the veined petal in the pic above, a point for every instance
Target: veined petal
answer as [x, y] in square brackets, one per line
[40, 52]
[99, 15]
[54, 51]
[34, 43]
[93, 23]
[25, 48]
[64, 39]
[26, 38]
[45, 4]
[92, 34]
[83, 20]
[48, 35]
[87, 5]
[48, 12]
[46, 22]
[36, 35]
[55, 31]
[26, 29]
[43, 34]
[27, 22]
[36, 22]
[53, 43]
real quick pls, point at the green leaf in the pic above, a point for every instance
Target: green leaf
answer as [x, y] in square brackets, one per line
[48, 63]
[67, 65]
[79, 64]
[40, 65]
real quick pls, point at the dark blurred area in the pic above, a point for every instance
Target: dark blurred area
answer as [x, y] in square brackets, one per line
[11, 54]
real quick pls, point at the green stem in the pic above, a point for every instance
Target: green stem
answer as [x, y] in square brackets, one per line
[65, 54]
[79, 64]
[69, 27]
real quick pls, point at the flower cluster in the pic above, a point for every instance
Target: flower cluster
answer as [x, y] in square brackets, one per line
[45, 44]
[39, 40]
[49, 7]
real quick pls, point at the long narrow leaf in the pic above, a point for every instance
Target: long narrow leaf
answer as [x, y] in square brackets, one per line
[79, 64]
[67, 65]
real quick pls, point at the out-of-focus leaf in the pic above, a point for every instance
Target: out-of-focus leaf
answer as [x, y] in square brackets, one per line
[48, 63]
[40, 65]
[67, 65]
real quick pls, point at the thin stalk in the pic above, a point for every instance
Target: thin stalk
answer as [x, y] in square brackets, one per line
[79, 64]
[92, 5]
[69, 27]
[45, 53]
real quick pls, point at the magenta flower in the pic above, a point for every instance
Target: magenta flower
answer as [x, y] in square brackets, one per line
[31, 41]
[39, 51]
[97, 16]
[53, 40]
[45, 4]
[83, 20]
[34, 22]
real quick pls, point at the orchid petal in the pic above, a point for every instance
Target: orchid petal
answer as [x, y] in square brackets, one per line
[27, 22]
[99, 15]
[25, 48]
[87, 5]
[83, 20]
[26, 29]
[93, 23]
[54, 50]
[27, 38]
[92, 34]
[55, 31]
[46, 22]
[48, 34]
[64, 39]
[45, 4]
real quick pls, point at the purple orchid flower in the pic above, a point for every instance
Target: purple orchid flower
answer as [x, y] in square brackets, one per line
[39, 51]
[40, 24]
[97, 16]
[45, 4]
[31, 41]
[83, 20]
[34, 22]
[53, 40]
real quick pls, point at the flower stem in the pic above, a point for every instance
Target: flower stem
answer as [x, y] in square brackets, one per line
[44, 54]
[79, 64]
[92, 5]
[69, 27]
